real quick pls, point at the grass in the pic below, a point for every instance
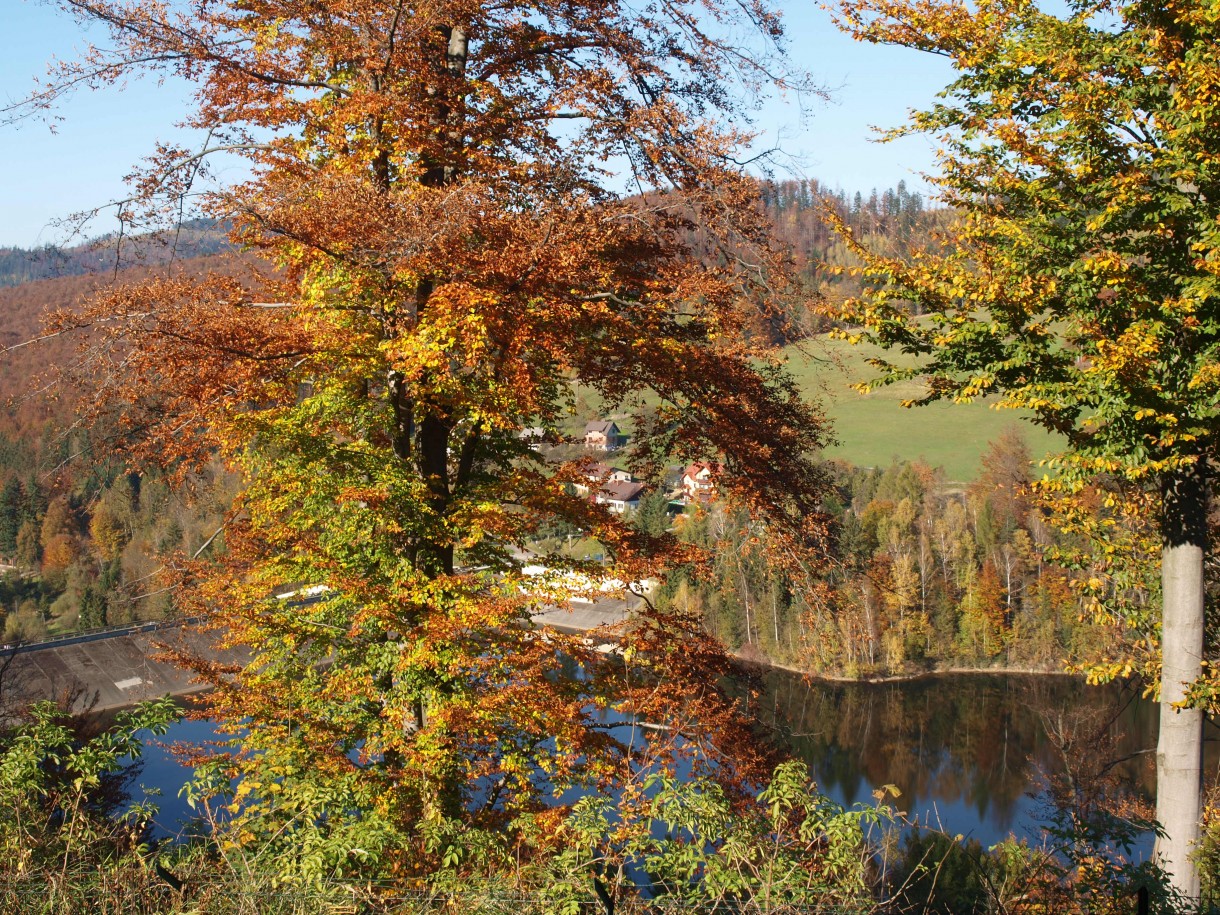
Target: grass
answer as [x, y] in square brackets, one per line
[874, 429]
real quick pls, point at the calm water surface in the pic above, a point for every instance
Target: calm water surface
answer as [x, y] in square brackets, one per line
[969, 752]
[972, 753]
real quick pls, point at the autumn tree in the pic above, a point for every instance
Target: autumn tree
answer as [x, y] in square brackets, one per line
[110, 523]
[470, 208]
[1079, 153]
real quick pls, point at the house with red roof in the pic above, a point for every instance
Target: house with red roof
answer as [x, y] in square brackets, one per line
[699, 481]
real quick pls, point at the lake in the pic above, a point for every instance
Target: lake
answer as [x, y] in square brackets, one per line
[970, 752]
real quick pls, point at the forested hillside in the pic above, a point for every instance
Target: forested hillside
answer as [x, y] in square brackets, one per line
[798, 209]
[80, 535]
[196, 238]
[926, 573]
[892, 220]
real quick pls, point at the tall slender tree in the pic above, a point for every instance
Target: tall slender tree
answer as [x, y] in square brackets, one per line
[471, 207]
[1079, 153]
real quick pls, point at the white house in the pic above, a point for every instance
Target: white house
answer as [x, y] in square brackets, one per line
[603, 435]
[620, 495]
[699, 481]
[598, 472]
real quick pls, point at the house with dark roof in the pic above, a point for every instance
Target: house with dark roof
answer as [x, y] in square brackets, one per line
[535, 437]
[620, 495]
[597, 472]
[603, 435]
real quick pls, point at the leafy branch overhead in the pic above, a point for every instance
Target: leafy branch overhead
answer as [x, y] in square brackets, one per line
[1078, 279]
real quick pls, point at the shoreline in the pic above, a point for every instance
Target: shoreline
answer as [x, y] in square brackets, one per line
[137, 676]
[752, 660]
[905, 677]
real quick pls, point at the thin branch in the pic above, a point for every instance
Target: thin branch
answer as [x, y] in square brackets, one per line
[207, 543]
[58, 333]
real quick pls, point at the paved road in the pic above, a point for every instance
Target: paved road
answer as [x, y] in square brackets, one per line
[109, 670]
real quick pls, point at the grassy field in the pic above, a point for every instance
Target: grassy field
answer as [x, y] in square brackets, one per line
[874, 429]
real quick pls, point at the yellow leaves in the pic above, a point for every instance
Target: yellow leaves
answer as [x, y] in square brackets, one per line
[1106, 264]
[455, 339]
[1206, 377]
[967, 33]
[1034, 403]
[266, 33]
[977, 386]
[1131, 351]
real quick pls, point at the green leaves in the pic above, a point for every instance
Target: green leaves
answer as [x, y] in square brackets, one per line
[1075, 281]
[1079, 155]
[686, 839]
[61, 788]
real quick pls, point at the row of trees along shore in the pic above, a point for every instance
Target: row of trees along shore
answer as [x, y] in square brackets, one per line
[430, 184]
[926, 576]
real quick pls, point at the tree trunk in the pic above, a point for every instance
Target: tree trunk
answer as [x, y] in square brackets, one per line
[1179, 755]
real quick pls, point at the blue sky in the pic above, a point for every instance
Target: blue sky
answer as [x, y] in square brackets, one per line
[50, 170]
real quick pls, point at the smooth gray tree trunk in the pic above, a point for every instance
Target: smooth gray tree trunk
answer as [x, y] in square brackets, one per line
[1179, 755]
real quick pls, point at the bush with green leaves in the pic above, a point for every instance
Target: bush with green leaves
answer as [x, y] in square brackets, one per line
[693, 845]
[63, 791]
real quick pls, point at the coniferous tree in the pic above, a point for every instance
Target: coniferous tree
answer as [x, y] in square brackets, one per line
[11, 516]
[92, 608]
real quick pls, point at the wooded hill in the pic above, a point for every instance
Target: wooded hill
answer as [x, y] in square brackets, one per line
[94, 533]
[195, 238]
[68, 513]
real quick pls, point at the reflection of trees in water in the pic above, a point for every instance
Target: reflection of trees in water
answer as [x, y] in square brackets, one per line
[975, 740]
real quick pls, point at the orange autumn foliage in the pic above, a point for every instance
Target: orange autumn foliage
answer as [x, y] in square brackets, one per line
[433, 183]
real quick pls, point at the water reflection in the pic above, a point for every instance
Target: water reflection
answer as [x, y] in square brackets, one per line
[966, 751]
[165, 774]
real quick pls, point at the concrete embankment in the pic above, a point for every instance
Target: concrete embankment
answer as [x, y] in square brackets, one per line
[109, 670]
[581, 616]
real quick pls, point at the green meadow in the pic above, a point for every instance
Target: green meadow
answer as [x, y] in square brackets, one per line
[874, 429]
